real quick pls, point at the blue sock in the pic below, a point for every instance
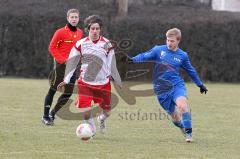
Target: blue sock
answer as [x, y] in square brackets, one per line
[187, 122]
[178, 124]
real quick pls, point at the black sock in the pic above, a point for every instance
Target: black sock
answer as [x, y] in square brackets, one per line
[48, 102]
[46, 111]
[188, 130]
[62, 100]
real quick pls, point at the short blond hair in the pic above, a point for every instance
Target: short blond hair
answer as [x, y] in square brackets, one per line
[174, 32]
[73, 10]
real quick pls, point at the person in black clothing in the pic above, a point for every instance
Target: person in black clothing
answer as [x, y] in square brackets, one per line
[60, 46]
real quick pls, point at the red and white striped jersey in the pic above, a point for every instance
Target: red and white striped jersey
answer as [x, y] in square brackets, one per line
[98, 63]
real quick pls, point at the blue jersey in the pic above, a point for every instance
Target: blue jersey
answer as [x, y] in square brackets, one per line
[167, 65]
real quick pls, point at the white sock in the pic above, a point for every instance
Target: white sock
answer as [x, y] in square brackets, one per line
[91, 122]
[102, 116]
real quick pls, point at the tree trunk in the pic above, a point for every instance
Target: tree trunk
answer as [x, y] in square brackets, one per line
[122, 7]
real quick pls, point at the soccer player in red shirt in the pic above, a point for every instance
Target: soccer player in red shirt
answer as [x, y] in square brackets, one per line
[98, 68]
[62, 42]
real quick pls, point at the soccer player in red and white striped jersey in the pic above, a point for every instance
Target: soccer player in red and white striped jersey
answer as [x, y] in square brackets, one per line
[98, 68]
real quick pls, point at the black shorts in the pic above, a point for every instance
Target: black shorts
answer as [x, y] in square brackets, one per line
[57, 76]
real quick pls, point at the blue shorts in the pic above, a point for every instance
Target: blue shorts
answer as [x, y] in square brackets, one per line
[168, 100]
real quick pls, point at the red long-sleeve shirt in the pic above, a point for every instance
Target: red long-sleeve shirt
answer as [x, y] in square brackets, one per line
[62, 42]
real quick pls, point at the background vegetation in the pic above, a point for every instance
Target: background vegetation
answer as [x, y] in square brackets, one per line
[211, 38]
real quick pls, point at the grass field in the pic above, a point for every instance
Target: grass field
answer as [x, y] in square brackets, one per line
[215, 120]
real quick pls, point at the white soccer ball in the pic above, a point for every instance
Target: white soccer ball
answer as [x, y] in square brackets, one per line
[84, 131]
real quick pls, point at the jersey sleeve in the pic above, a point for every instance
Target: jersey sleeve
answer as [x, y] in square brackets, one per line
[113, 66]
[147, 56]
[54, 47]
[72, 62]
[187, 66]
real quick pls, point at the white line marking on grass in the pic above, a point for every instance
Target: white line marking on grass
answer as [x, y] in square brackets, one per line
[35, 151]
[12, 153]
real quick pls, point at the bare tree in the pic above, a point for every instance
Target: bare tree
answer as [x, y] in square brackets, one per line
[122, 7]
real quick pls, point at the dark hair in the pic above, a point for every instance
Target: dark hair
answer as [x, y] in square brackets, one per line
[91, 20]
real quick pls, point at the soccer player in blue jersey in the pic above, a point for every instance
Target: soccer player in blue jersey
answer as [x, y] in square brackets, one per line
[168, 84]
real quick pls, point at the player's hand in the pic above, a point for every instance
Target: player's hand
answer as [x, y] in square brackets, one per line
[61, 86]
[203, 89]
[126, 59]
[129, 60]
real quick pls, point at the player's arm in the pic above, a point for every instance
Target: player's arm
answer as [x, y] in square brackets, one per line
[54, 47]
[71, 65]
[147, 56]
[113, 66]
[72, 62]
[193, 74]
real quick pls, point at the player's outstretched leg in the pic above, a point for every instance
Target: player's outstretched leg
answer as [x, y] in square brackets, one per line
[88, 118]
[181, 104]
[179, 124]
[91, 122]
[187, 122]
[177, 120]
[62, 100]
[47, 105]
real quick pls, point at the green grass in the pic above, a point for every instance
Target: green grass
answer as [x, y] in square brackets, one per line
[215, 120]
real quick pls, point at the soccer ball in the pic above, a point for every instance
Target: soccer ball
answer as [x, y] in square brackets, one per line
[84, 131]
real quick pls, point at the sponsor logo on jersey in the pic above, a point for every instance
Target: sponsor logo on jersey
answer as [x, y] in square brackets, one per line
[177, 59]
[162, 54]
